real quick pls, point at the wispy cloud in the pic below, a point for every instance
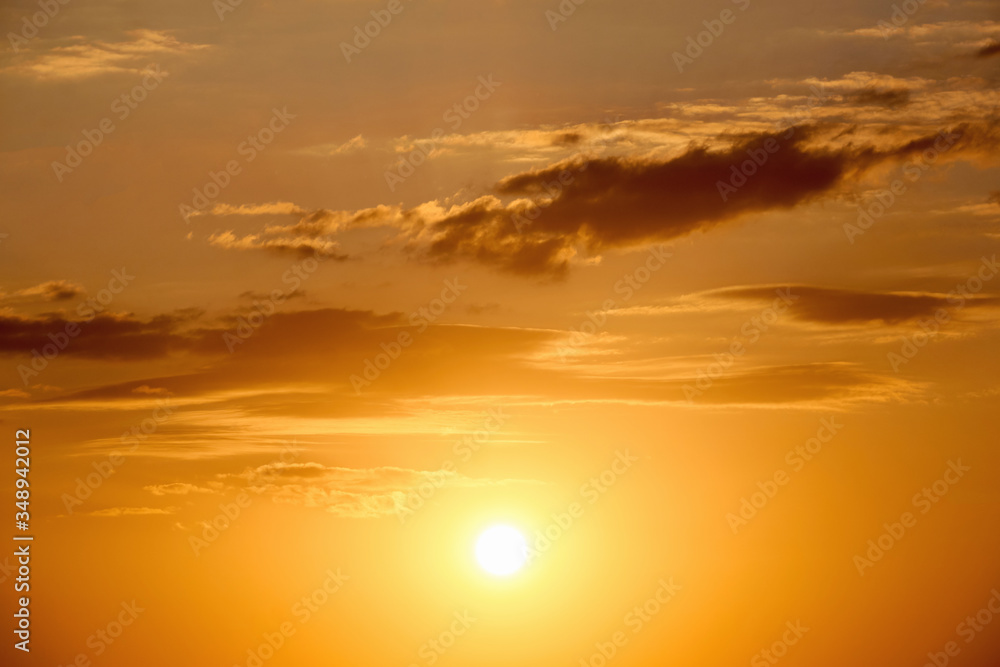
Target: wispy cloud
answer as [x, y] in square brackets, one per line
[83, 59]
[118, 512]
[52, 290]
[344, 492]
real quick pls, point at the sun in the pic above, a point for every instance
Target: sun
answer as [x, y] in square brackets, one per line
[501, 550]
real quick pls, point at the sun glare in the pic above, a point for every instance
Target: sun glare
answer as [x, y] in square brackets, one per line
[501, 550]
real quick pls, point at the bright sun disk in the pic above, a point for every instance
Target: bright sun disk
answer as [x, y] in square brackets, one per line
[501, 550]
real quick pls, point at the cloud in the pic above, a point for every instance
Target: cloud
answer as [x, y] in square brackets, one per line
[991, 49]
[325, 150]
[521, 146]
[983, 209]
[295, 372]
[106, 336]
[87, 59]
[346, 492]
[944, 32]
[312, 235]
[542, 221]
[176, 489]
[312, 344]
[269, 208]
[251, 295]
[355, 144]
[481, 308]
[844, 306]
[892, 98]
[864, 89]
[300, 364]
[117, 512]
[798, 384]
[53, 290]
[301, 246]
[592, 205]
[14, 393]
[150, 391]
[868, 106]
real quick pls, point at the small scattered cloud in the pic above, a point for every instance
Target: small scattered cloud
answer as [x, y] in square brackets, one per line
[355, 144]
[811, 384]
[301, 246]
[177, 489]
[326, 150]
[991, 49]
[53, 290]
[268, 208]
[947, 32]
[344, 492]
[108, 336]
[846, 306]
[117, 512]
[481, 308]
[251, 295]
[83, 59]
[892, 98]
[14, 393]
[150, 391]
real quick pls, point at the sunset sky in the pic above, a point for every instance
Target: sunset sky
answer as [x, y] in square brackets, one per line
[298, 298]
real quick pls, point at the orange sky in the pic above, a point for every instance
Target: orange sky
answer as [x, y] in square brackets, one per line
[701, 298]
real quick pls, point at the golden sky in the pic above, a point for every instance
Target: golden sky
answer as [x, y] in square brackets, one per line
[299, 298]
